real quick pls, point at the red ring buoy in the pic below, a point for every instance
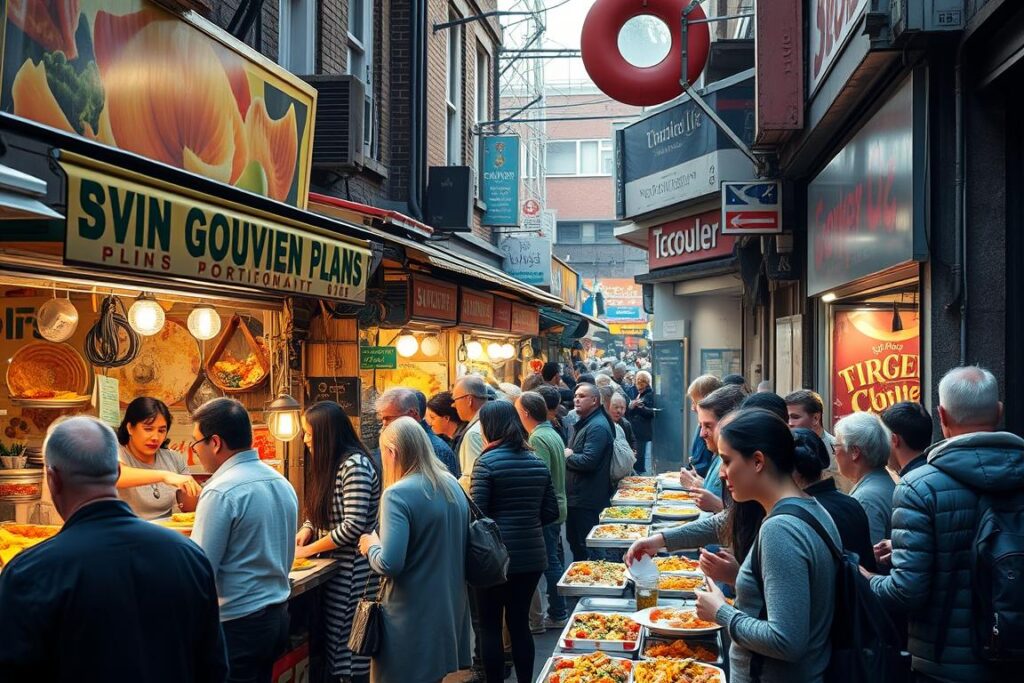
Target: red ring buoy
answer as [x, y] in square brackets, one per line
[641, 86]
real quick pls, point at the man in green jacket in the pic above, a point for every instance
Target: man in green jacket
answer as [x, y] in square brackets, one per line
[549, 447]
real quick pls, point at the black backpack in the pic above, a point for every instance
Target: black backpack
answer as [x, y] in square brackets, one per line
[865, 643]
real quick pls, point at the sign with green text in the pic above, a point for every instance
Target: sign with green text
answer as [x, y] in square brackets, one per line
[378, 358]
[124, 221]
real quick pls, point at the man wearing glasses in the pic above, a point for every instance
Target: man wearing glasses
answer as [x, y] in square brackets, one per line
[468, 396]
[401, 402]
[245, 522]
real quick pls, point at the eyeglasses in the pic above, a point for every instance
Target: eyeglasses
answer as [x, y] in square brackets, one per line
[459, 398]
[192, 446]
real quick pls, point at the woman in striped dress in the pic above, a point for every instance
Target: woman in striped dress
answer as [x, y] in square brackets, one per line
[342, 499]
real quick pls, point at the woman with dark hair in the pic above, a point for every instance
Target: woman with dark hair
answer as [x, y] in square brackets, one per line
[775, 623]
[812, 460]
[341, 501]
[513, 487]
[154, 480]
[444, 420]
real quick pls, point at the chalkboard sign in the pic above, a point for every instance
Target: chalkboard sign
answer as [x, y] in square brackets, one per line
[342, 390]
[378, 358]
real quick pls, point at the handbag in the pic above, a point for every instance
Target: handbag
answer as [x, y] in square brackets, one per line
[368, 623]
[486, 554]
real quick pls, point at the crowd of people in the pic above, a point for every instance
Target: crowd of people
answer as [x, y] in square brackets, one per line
[538, 459]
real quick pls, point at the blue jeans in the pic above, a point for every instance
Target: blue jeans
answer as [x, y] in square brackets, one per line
[556, 603]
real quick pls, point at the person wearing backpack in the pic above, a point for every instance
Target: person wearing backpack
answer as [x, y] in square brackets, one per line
[964, 601]
[588, 485]
[784, 619]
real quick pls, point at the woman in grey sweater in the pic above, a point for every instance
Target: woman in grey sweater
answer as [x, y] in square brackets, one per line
[776, 618]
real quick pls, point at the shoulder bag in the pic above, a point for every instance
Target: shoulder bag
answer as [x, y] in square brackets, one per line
[368, 622]
[486, 554]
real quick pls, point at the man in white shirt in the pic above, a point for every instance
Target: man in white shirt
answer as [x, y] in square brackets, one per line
[468, 396]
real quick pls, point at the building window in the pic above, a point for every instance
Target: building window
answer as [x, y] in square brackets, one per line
[453, 95]
[297, 38]
[568, 233]
[579, 157]
[597, 232]
[482, 108]
[360, 65]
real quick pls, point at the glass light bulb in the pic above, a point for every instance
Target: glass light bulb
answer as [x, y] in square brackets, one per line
[204, 323]
[508, 351]
[146, 316]
[406, 345]
[474, 350]
[284, 425]
[430, 345]
[494, 351]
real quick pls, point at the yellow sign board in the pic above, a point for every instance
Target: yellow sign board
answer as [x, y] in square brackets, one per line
[124, 221]
[176, 89]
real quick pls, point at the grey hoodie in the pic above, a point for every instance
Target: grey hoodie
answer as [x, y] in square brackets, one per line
[933, 526]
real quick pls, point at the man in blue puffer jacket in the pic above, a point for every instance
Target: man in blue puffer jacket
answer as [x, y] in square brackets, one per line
[933, 527]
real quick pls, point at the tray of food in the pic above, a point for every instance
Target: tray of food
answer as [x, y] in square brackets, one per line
[633, 497]
[648, 488]
[627, 605]
[674, 621]
[676, 497]
[679, 585]
[15, 538]
[676, 512]
[676, 671]
[707, 649]
[616, 535]
[676, 563]
[596, 667]
[670, 481]
[179, 521]
[593, 577]
[639, 514]
[637, 482]
[609, 631]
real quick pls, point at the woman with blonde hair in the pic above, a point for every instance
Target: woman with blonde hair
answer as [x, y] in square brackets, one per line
[421, 553]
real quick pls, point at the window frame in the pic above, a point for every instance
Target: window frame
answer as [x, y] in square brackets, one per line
[360, 52]
[604, 146]
[285, 53]
[481, 110]
[453, 96]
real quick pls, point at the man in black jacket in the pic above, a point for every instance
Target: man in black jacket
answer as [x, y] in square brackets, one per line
[111, 597]
[588, 484]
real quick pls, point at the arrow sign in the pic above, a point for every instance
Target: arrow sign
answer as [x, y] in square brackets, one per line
[752, 207]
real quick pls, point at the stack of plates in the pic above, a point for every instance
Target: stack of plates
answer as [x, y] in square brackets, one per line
[35, 456]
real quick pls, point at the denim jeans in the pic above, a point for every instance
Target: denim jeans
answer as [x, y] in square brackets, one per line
[552, 540]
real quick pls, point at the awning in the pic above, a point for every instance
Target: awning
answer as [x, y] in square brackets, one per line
[437, 258]
[690, 271]
[20, 194]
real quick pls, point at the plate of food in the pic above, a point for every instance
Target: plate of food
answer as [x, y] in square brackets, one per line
[674, 621]
[626, 513]
[593, 577]
[633, 497]
[670, 481]
[48, 375]
[676, 496]
[676, 511]
[601, 631]
[676, 563]
[616, 535]
[704, 649]
[637, 482]
[179, 521]
[676, 671]
[596, 667]
[302, 564]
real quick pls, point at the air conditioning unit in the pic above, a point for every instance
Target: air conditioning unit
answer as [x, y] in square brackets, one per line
[926, 16]
[338, 136]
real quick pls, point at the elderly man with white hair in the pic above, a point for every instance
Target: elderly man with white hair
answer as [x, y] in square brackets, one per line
[955, 633]
[862, 452]
[111, 596]
[641, 417]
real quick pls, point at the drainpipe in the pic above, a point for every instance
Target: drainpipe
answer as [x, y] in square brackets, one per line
[960, 210]
[417, 105]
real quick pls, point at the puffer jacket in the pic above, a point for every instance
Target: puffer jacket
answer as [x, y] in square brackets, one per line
[513, 487]
[933, 526]
[642, 416]
[588, 481]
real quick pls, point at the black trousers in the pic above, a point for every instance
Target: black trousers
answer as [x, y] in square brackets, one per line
[509, 601]
[578, 523]
[254, 643]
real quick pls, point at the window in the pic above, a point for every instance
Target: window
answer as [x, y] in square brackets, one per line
[482, 108]
[568, 233]
[454, 92]
[297, 36]
[360, 65]
[580, 157]
[598, 232]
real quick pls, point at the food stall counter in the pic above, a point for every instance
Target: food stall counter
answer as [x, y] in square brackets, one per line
[307, 579]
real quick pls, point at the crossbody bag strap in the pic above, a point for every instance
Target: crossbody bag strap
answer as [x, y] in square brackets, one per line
[474, 512]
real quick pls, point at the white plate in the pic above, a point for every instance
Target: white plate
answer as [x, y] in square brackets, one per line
[676, 511]
[670, 481]
[644, 617]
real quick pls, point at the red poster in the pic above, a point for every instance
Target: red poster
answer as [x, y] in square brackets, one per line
[872, 366]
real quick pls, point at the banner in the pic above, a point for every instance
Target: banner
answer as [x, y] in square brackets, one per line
[177, 90]
[872, 366]
[128, 222]
[499, 182]
[623, 299]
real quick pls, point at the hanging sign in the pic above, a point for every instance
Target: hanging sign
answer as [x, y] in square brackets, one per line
[342, 390]
[688, 240]
[168, 87]
[499, 186]
[874, 367]
[433, 299]
[527, 259]
[476, 309]
[751, 207]
[502, 314]
[525, 320]
[830, 25]
[378, 358]
[124, 221]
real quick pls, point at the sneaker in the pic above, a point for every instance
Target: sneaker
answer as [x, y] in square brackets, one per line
[550, 623]
[537, 629]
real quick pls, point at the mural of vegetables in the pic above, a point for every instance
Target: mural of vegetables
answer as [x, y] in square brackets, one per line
[141, 79]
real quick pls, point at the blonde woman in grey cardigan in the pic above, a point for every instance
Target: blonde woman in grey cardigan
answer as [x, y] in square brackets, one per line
[774, 618]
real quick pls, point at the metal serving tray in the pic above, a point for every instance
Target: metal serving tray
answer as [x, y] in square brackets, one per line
[620, 500]
[550, 664]
[712, 642]
[604, 519]
[627, 647]
[612, 542]
[576, 589]
[627, 605]
[682, 594]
